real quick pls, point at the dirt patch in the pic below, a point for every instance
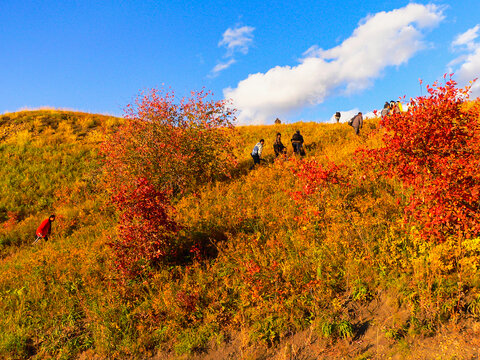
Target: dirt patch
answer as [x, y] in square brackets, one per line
[379, 333]
[453, 341]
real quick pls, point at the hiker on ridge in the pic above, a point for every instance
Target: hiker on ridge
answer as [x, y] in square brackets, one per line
[357, 122]
[45, 229]
[278, 146]
[337, 116]
[398, 107]
[297, 143]
[257, 153]
[392, 107]
[385, 110]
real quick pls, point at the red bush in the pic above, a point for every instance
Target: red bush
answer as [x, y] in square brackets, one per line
[163, 150]
[315, 175]
[177, 147]
[145, 229]
[434, 149]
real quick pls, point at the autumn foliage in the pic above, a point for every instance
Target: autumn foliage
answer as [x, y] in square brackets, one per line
[434, 149]
[164, 150]
[316, 176]
[320, 246]
[175, 146]
[145, 229]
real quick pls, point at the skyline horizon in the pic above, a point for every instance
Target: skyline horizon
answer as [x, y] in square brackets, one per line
[98, 57]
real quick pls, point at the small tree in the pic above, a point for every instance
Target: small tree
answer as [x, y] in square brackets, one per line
[163, 150]
[176, 147]
[434, 149]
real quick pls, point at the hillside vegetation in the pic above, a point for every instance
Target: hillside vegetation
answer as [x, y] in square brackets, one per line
[307, 258]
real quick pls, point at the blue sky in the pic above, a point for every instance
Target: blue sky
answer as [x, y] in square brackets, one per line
[298, 60]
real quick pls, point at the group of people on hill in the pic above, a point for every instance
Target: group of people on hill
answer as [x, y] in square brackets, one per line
[297, 141]
[278, 147]
[392, 107]
[389, 108]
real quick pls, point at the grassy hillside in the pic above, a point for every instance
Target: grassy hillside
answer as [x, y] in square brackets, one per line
[336, 274]
[49, 165]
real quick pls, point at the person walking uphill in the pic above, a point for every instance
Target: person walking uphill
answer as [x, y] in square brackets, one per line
[297, 143]
[357, 122]
[278, 146]
[45, 229]
[257, 153]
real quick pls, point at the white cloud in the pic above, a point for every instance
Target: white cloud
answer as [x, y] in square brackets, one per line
[348, 114]
[470, 70]
[222, 66]
[470, 62]
[370, 115]
[381, 40]
[467, 38]
[344, 116]
[235, 40]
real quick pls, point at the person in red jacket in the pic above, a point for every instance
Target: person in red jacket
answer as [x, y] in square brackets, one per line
[45, 228]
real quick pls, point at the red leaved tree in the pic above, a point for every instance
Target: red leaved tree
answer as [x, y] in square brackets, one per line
[145, 229]
[434, 149]
[163, 150]
[175, 146]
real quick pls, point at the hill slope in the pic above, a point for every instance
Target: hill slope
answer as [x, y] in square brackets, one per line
[278, 274]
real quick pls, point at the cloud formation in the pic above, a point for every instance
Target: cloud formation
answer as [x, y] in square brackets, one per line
[345, 115]
[235, 40]
[469, 67]
[380, 40]
[223, 65]
[467, 38]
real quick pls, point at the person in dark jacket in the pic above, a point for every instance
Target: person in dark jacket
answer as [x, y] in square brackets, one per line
[357, 122]
[297, 143]
[278, 146]
[392, 107]
[45, 229]
[337, 116]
